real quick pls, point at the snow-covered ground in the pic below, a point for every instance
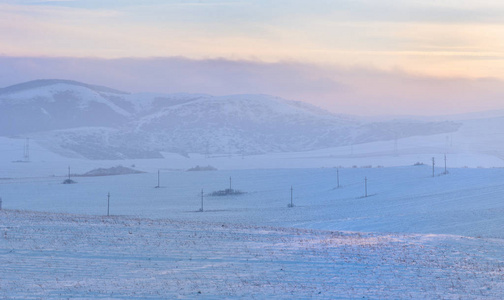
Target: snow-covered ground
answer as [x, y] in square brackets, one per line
[402, 199]
[57, 256]
[414, 235]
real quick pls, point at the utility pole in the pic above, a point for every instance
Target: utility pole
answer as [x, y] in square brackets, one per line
[337, 177]
[445, 170]
[433, 164]
[365, 186]
[26, 154]
[69, 180]
[158, 185]
[292, 203]
[108, 204]
[230, 184]
[201, 209]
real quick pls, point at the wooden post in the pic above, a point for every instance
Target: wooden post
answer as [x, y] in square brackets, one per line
[27, 150]
[291, 204]
[337, 177]
[201, 209]
[108, 204]
[433, 164]
[365, 186]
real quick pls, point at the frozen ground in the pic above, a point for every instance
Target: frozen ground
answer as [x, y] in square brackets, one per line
[54, 256]
[465, 202]
[414, 236]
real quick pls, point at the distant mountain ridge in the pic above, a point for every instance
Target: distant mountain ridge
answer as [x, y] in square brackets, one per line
[47, 82]
[97, 122]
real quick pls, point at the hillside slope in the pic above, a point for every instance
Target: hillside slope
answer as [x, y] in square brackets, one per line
[97, 122]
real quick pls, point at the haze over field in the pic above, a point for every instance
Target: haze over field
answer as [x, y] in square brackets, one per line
[222, 149]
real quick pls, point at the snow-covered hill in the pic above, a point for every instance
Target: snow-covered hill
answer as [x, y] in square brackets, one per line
[77, 119]
[242, 124]
[416, 232]
[45, 105]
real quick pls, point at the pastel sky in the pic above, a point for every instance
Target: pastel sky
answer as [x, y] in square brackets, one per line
[349, 56]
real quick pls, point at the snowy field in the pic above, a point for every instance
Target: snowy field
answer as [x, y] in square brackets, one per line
[55, 256]
[465, 202]
[414, 236]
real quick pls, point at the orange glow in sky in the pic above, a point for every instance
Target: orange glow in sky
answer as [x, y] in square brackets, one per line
[432, 39]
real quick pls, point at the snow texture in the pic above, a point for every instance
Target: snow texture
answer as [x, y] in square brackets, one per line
[411, 232]
[414, 236]
[77, 119]
[54, 256]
